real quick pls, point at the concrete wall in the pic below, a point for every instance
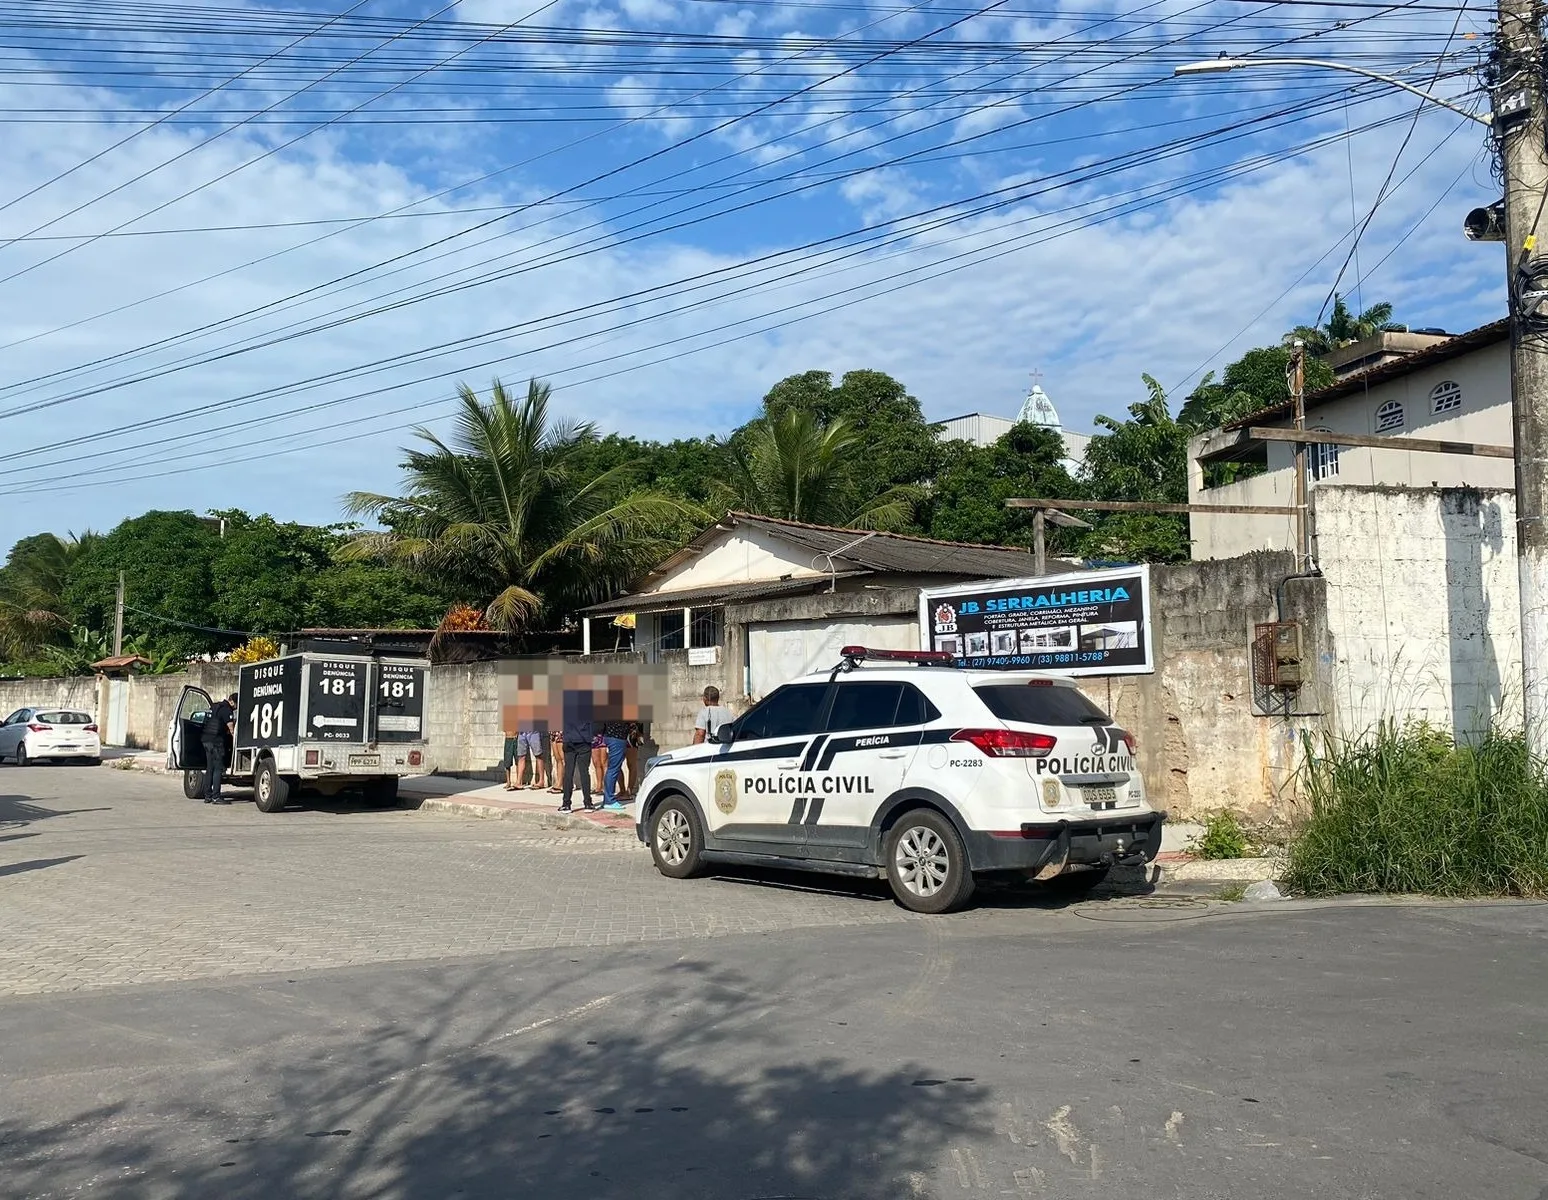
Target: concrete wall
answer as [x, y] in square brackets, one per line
[1422, 604]
[152, 698]
[1201, 747]
[1484, 416]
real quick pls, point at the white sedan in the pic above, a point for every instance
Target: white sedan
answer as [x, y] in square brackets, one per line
[35, 734]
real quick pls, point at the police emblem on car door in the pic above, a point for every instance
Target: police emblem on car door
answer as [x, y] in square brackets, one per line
[725, 791]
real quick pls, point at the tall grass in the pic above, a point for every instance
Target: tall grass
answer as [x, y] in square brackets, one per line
[1405, 809]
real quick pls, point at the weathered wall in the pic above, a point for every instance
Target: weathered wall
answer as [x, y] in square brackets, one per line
[78, 693]
[152, 698]
[1422, 604]
[1200, 745]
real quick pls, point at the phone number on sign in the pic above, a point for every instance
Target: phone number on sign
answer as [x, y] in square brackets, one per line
[1036, 660]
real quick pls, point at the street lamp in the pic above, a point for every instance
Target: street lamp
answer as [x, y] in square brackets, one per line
[1210, 66]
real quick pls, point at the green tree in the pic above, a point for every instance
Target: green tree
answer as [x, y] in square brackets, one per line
[1257, 380]
[967, 499]
[507, 511]
[793, 467]
[899, 447]
[167, 559]
[1345, 327]
[1142, 458]
[33, 608]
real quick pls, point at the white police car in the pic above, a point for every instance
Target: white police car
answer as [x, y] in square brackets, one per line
[912, 769]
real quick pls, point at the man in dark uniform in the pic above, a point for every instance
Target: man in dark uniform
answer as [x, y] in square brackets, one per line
[579, 728]
[220, 722]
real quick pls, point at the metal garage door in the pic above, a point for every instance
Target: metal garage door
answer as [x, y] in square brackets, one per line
[780, 651]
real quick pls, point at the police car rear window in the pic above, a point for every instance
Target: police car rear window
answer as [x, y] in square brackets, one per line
[1040, 705]
[63, 718]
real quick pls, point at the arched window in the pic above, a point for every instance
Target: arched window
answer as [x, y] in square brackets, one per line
[1445, 397]
[1389, 416]
[1321, 461]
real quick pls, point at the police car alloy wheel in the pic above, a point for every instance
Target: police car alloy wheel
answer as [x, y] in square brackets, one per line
[675, 838]
[927, 864]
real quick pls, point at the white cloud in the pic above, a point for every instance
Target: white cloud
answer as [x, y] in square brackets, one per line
[1161, 291]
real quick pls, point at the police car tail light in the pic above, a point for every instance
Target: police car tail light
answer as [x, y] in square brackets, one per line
[1008, 743]
[1131, 742]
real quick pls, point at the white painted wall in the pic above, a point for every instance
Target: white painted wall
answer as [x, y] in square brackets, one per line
[1484, 416]
[1422, 605]
[779, 651]
[743, 555]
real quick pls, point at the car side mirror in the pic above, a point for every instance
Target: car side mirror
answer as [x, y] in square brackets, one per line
[725, 735]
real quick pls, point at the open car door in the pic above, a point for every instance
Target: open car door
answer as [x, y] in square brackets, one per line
[185, 740]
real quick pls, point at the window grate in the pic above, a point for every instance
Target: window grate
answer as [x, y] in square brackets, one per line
[1446, 396]
[1389, 416]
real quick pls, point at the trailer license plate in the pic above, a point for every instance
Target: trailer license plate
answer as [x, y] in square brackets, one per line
[365, 760]
[1100, 795]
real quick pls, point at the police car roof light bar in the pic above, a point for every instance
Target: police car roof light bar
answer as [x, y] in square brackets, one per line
[860, 653]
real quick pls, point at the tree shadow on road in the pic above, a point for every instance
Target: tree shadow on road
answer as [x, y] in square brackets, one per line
[687, 1086]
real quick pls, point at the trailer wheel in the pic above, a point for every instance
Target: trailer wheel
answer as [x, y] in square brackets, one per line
[270, 790]
[381, 792]
[193, 785]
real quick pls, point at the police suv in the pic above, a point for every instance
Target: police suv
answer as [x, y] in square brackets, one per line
[898, 764]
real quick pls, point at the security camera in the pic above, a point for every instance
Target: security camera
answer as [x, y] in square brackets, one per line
[1486, 224]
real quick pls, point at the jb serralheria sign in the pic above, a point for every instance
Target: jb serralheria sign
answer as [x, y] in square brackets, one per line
[1086, 623]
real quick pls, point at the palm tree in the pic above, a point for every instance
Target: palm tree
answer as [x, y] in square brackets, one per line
[32, 584]
[1344, 327]
[795, 468]
[507, 509]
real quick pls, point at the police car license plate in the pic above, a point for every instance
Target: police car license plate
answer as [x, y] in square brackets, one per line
[365, 760]
[1100, 795]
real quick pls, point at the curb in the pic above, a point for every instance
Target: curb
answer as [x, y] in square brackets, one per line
[609, 823]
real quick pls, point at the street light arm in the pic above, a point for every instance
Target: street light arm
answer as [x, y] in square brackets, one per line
[1210, 65]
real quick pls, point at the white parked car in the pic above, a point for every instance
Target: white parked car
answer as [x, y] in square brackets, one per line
[39, 734]
[899, 765]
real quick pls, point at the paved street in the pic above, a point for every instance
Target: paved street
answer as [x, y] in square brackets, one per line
[212, 1002]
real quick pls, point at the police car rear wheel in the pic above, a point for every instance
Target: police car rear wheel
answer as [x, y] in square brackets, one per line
[676, 842]
[927, 864]
[193, 785]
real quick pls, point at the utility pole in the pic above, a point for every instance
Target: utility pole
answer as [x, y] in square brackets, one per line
[1297, 381]
[1521, 125]
[118, 619]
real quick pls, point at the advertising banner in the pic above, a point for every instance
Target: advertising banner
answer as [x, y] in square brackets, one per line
[1084, 623]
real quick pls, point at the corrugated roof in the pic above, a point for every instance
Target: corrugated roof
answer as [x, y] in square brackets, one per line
[1463, 343]
[872, 551]
[713, 595]
[121, 662]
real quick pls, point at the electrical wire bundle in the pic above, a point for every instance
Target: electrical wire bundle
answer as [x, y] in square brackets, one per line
[840, 115]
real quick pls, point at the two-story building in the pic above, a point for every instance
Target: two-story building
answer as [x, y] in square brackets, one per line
[1456, 390]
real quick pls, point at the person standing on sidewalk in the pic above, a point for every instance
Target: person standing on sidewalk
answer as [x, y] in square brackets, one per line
[615, 738]
[219, 724]
[711, 717]
[579, 730]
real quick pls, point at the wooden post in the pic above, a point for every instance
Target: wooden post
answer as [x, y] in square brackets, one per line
[1298, 394]
[586, 635]
[1039, 553]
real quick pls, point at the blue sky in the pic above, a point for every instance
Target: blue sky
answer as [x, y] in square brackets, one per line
[244, 249]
